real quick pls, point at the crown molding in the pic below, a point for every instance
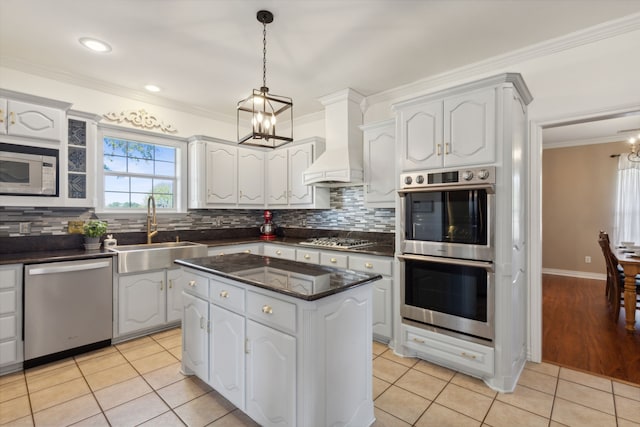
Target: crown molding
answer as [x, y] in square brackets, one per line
[580, 142]
[578, 38]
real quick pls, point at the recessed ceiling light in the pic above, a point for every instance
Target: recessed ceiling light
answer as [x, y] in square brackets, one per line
[152, 88]
[95, 45]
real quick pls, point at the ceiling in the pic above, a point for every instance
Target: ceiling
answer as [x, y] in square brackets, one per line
[207, 54]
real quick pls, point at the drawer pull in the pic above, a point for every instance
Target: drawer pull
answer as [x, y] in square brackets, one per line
[368, 265]
[267, 309]
[469, 356]
[419, 341]
[170, 283]
[278, 252]
[12, 115]
[224, 294]
[333, 260]
[307, 256]
[248, 251]
[162, 285]
[192, 283]
[221, 253]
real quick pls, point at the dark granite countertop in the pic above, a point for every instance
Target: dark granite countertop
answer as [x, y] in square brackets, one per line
[297, 279]
[54, 255]
[380, 249]
[34, 249]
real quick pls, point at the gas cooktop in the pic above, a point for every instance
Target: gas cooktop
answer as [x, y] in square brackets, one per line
[336, 242]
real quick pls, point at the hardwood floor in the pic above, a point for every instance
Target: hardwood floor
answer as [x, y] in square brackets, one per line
[578, 330]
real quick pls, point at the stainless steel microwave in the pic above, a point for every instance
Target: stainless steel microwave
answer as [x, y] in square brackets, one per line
[28, 170]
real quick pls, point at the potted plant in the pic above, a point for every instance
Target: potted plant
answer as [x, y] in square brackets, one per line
[93, 230]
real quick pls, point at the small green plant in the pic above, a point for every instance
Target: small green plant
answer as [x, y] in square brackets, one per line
[95, 228]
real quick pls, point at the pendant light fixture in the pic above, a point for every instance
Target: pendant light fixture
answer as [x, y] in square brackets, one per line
[634, 155]
[260, 116]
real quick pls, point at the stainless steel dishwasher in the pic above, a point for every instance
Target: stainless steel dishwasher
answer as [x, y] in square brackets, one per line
[68, 308]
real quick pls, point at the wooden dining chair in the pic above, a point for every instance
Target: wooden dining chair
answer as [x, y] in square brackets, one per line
[615, 279]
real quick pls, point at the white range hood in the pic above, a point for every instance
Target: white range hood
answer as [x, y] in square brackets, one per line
[341, 163]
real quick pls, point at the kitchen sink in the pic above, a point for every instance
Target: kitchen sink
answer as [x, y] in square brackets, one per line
[155, 256]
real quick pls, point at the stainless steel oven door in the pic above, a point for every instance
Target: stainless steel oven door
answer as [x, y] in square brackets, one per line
[452, 294]
[438, 246]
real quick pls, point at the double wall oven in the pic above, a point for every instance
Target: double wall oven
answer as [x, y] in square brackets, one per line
[447, 251]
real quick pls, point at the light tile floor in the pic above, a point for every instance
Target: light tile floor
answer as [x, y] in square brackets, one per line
[139, 383]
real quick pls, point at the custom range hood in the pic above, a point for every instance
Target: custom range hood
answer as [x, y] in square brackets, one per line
[341, 163]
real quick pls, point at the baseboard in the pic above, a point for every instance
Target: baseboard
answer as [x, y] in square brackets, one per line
[570, 273]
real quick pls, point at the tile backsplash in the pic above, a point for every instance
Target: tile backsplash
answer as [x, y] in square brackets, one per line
[347, 213]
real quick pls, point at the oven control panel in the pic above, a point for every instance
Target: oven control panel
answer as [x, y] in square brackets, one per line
[422, 179]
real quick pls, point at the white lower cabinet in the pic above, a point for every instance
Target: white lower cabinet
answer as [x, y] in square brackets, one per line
[142, 301]
[151, 300]
[227, 354]
[195, 335]
[11, 354]
[382, 291]
[271, 376]
[282, 360]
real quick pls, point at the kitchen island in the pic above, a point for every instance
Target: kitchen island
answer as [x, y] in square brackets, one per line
[288, 343]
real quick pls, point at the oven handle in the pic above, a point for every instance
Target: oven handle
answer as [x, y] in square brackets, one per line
[491, 188]
[452, 261]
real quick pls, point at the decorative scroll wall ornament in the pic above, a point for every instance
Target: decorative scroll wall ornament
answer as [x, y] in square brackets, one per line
[140, 119]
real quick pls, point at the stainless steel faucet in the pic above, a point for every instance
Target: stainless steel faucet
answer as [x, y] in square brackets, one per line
[151, 219]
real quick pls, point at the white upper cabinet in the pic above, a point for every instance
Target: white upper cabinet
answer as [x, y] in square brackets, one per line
[221, 174]
[250, 177]
[449, 129]
[28, 116]
[379, 168]
[284, 183]
[470, 129]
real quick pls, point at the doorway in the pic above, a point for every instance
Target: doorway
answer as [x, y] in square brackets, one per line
[536, 225]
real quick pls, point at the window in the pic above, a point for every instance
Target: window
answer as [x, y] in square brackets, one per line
[134, 166]
[627, 215]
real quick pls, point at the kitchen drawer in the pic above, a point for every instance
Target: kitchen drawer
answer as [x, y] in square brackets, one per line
[276, 251]
[8, 278]
[226, 295]
[196, 284]
[8, 301]
[452, 352]
[271, 311]
[8, 327]
[371, 264]
[334, 259]
[234, 249]
[9, 352]
[304, 255]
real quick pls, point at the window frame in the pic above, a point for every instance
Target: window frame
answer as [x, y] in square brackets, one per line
[118, 132]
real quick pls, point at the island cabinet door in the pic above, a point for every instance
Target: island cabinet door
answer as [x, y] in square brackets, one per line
[227, 354]
[271, 376]
[195, 343]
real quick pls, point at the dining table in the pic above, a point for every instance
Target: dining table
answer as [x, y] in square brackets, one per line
[630, 263]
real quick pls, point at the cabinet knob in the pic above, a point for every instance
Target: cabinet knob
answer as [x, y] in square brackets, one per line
[333, 260]
[307, 256]
[192, 283]
[267, 309]
[248, 251]
[221, 253]
[224, 294]
[278, 252]
[368, 265]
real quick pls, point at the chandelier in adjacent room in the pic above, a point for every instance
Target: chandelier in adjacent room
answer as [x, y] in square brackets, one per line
[634, 155]
[259, 116]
